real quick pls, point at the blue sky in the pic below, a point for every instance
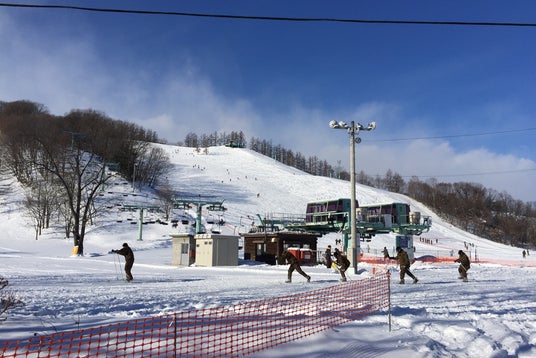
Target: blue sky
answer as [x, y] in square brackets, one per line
[451, 102]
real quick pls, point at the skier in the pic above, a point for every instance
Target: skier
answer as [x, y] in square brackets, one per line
[465, 265]
[129, 260]
[327, 256]
[342, 262]
[294, 265]
[385, 252]
[403, 261]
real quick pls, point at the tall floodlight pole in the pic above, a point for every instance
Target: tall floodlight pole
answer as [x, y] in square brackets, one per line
[353, 130]
[353, 230]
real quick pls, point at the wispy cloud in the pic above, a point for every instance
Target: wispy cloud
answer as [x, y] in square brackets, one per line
[71, 72]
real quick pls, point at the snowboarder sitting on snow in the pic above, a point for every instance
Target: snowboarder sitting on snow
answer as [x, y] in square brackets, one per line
[129, 260]
[342, 262]
[465, 265]
[403, 261]
[294, 265]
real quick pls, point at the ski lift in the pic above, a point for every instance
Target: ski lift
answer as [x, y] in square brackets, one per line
[182, 206]
[210, 219]
[216, 207]
[221, 222]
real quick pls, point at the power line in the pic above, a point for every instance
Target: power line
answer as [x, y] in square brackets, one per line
[472, 174]
[273, 18]
[454, 135]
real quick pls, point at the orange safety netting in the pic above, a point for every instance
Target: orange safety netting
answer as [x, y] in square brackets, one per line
[450, 259]
[228, 331]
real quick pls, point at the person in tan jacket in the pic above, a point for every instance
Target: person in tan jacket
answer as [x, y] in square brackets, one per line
[342, 262]
[294, 265]
[465, 265]
[403, 261]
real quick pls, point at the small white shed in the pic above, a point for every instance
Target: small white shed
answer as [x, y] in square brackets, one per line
[183, 249]
[216, 250]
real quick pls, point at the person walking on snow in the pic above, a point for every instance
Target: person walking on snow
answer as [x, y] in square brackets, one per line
[385, 252]
[327, 256]
[294, 265]
[342, 262]
[129, 260]
[465, 265]
[403, 261]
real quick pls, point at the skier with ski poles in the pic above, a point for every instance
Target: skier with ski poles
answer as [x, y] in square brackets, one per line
[465, 265]
[129, 260]
[403, 261]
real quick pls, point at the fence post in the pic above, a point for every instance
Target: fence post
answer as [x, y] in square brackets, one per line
[389, 297]
[175, 335]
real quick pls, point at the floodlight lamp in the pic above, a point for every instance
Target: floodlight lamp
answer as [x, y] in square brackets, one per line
[333, 124]
[357, 140]
[371, 126]
[342, 124]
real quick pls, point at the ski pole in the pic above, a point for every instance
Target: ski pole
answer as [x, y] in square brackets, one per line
[116, 272]
[118, 267]
[121, 267]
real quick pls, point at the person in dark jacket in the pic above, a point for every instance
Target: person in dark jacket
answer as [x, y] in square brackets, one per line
[129, 260]
[385, 252]
[465, 265]
[294, 265]
[403, 261]
[342, 262]
[327, 256]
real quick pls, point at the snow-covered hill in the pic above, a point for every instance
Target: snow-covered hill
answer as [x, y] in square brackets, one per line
[492, 315]
[251, 183]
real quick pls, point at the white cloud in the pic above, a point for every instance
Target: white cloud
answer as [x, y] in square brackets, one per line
[425, 158]
[72, 74]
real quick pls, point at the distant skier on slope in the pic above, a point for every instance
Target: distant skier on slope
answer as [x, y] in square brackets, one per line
[403, 261]
[129, 260]
[294, 265]
[342, 262]
[465, 265]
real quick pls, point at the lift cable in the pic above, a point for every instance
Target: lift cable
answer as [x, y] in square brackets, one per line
[453, 135]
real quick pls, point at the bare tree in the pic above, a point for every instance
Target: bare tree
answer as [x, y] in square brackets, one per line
[79, 172]
[33, 206]
[153, 164]
[8, 299]
[41, 201]
[65, 158]
[166, 194]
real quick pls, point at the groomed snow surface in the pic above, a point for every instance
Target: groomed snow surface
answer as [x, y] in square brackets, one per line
[492, 315]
